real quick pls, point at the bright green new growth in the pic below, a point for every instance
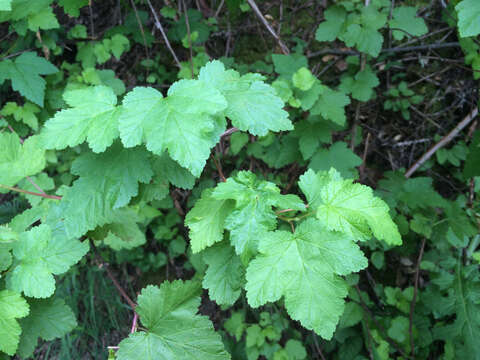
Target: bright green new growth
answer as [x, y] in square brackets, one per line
[253, 105]
[173, 328]
[468, 17]
[19, 160]
[38, 255]
[253, 214]
[93, 117]
[304, 267]
[5, 5]
[207, 220]
[351, 208]
[184, 123]
[12, 307]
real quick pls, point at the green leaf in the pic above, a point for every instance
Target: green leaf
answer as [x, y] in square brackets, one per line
[5, 5]
[93, 199]
[303, 79]
[123, 232]
[7, 235]
[180, 177]
[43, 181]
[72, 7]
[253, 106]
[93, 117]
[287, 65]
[182, 123]
[253, 215]
[38, 256]
[25, 113]
[362, 85]
[12, 307]
[173, 328]
[348, 207]
[331, 105]
[19, 160]
[206, 221]
[224, 277]
[405, 18]
[25, 73]
[335, 17]
[44, 19]
[468, 17]
[311, 134]
[338, 156]
[364, 35]
[304, 267]
[119, 45]
[48, 319]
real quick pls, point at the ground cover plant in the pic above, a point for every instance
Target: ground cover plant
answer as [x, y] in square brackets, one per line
[239, 179]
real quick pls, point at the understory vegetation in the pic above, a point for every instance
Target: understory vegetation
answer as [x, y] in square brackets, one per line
[239, 179]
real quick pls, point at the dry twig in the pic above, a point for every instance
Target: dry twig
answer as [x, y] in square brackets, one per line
[445, 140]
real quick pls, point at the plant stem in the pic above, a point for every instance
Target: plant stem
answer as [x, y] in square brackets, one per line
[46, 196]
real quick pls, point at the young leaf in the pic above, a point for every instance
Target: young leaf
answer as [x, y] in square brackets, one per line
[206, 220]
[18, 161]
[173, 328]
[38, 256]
[468, 17]
[405, 18]
[72, 7]
[304, 267]
[48, 319]
[331, 105]
[92, 199]
[25, 73]
[183, 123]
[335, 17]
[253, 106]
[93, 117]
[253, 214]
[225, 274]
[361, 86]
[364, 35]
[350, 208]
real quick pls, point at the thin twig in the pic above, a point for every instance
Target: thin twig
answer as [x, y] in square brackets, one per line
[92, 28]
[414, 299]
[445, 140]
[364, 157]
[189, 36]
[219, 169]
[134, 323]
[46, 196]
[219, 8]
[141, 28]
[159, 26]
[317, 346]
[229, 131]
[120, 290]
[257, 12]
